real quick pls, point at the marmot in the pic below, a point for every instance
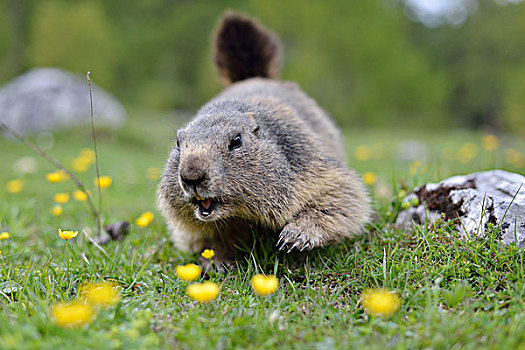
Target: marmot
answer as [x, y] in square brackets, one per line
[260, 154]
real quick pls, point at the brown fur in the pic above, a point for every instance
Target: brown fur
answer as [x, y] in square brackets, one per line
[287, 176]
[244, 49]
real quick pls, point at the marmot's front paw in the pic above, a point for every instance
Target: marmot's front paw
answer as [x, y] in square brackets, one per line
[298, 236]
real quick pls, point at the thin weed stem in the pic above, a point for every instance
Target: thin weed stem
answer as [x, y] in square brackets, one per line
[56, 163]
[99, 224]
[67, 256]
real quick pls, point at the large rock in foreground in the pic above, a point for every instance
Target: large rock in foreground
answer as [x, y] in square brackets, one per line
[478, 200]
[47, 99]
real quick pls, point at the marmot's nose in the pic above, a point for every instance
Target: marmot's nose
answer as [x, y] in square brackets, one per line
[193, 172]
[192, 182]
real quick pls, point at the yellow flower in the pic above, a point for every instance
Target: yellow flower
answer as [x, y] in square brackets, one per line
[101, 294]
[80, 165]
[80, 195]
[203, 292]
[71, 315]
[53, 177]
[56, 210]
[153, 173]
[104, 181]
[467, 152]
[64, 176]
[145, 219]
[61, 198]
[4, 235]
[189, 272]
[369, 178]
[515, 157]
[67, 235]
[490, 142]
[88, 155]
[57, 176]
[142, 221]
[264, 285]
[380, 302]
[208, 253]
[15, 186]
[362, 153]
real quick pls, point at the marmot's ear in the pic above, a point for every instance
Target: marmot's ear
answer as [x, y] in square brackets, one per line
[254, 128]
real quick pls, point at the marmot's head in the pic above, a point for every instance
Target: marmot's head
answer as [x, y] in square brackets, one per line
[220, 162]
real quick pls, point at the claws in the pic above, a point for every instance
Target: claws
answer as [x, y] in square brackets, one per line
[298, 240]
[284, 244]
[292, 247]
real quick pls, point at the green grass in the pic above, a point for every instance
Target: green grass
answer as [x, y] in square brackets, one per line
[455, 293]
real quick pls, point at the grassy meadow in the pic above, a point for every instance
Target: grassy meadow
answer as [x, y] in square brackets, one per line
[454, 293]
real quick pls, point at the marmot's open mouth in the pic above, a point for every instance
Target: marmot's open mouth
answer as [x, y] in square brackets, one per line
[206, 206]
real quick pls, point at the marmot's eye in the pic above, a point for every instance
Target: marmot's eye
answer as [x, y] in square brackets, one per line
[178, 143]
[236, 142]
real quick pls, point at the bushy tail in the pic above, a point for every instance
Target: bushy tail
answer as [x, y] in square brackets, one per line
[245, 49]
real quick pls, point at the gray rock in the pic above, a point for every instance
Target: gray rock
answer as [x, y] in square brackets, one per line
[496, 197]
[47, 99]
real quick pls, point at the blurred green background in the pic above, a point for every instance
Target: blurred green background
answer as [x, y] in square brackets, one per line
[370, 63]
